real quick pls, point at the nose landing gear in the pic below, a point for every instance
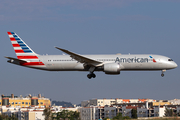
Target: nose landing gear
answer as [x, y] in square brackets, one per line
[162, 74]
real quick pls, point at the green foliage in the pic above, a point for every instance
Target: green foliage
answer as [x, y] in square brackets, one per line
[6, 117]
[13, 117]
[47, 113]
[63, 115]
[134, 113]
[169, 112]
[106, 118]
[66, 115]
[118, 117]
[126, 117]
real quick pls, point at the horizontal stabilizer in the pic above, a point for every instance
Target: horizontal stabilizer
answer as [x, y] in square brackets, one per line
[15, 59]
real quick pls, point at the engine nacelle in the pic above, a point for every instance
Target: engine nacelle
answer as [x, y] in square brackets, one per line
[112, 68]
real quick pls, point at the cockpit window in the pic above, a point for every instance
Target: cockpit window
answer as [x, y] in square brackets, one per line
[170, 60]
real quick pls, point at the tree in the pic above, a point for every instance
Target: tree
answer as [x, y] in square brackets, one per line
[134, 113]
[168, 112]
[106, 118]
[178, 114]
[126, 117]
[13, 117]
[65, 114]
[47, 113]
[6, 117]
[2, 117]
[118, 117]
[76, 115]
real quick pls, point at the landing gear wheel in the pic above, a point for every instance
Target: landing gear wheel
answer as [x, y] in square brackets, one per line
[162, 75]
[89, 76]
[93, 75]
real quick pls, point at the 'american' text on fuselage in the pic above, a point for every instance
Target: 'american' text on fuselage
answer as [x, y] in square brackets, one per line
[131, 60]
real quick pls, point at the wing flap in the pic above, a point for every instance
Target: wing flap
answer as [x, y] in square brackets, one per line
[81, 58]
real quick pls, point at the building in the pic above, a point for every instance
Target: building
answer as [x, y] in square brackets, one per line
[87, 113]
[28, 101]
[101, 102]
[161, 103]
[30, 113]
[110, 112]
[33, 115]
[109, 102]
[142, 112]
[91, 113]
[159, 111]
[85, 103]
[174, 101]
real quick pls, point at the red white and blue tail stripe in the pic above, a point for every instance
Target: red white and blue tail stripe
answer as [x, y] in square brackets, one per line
[24, 52]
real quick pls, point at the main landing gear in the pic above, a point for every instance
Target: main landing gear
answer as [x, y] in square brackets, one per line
[162, 74]
[91, 74]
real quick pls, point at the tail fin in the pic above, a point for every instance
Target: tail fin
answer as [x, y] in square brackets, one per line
[22, 50]
[25, 55]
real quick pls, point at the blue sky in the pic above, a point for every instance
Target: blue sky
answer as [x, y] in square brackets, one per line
[91, 27]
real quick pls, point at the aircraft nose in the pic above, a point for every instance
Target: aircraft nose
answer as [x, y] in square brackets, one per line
[175, 65]
[171, 65]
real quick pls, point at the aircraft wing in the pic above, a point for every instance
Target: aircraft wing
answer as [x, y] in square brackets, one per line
[15, 59]
[81, 58]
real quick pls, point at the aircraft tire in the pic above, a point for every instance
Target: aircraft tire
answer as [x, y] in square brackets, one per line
[93, 75]
[162, 75]
[89, 76]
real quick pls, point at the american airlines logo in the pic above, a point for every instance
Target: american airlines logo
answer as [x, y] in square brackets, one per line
[132, 60]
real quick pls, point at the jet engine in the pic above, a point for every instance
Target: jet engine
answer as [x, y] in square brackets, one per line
[112, 68]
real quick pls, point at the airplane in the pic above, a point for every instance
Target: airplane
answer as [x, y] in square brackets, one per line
[109, 64]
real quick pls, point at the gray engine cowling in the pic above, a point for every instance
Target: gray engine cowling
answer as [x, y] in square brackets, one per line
[112, 68]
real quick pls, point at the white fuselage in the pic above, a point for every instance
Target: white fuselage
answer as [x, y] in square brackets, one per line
[127, 62]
